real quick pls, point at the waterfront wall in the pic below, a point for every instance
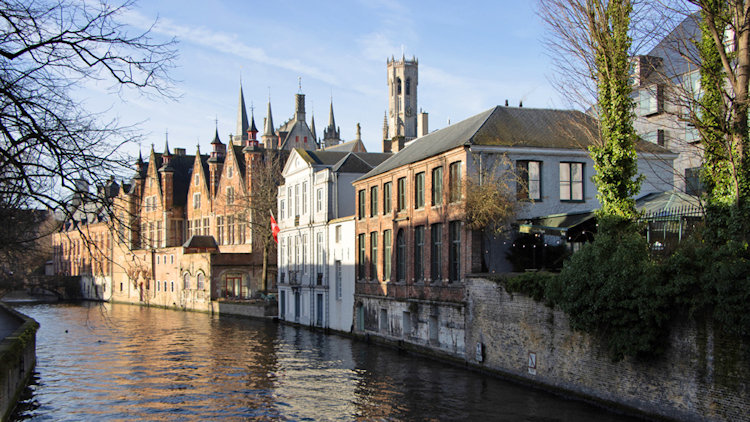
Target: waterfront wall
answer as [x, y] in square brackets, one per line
[702, 376]
[17, 358]
[253, 309]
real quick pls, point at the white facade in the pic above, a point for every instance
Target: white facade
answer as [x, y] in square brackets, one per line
[316, 243]
[551, 164]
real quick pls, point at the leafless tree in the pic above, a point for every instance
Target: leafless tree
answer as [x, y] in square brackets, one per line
[255, 207]
[48, 139]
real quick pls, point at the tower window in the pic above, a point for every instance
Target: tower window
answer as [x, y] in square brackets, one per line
[398, 86]
[408, 86]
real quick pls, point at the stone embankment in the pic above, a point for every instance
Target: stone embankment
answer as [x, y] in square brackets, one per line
[17, 356]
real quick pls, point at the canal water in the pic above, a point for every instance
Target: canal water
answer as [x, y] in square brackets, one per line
[123, 362]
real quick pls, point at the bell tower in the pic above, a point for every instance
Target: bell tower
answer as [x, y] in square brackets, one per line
[402, 98]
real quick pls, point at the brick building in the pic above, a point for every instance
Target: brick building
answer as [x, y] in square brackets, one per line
[414, 249]
[180, 233]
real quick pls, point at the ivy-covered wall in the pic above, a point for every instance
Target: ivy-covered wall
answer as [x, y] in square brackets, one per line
[17, 359]
[701, 376]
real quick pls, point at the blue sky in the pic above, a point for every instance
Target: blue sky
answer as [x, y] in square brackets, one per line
[471, 57]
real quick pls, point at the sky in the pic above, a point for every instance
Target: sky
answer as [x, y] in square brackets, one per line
[471, 58]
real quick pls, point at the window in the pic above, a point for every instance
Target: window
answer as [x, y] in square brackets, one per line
[200, 283]
[655, 137]
[338, 233]
[398, 86]
[571, 181]
[158, 285]
[437, 186]
[171, 259]
[373, 201]
[230, 171]
[337, 269]
[304, 258]
[454, 182]
[230, 195]
[400, 256]
[650, 100]
[361, 256]
[196, 200]
[419, 253]
[319, 250]
[197, 179]
[387, 197]
[374, 255]
[296, 200]
[220, 230]
[319, 196]
[171, 286]
[230, 230]
[387, 254]
[361, 199]
[289, 197]
[206, 227]
[419, 190]
[401, 194]
[165, 286]
[436, 254]
[530, 186]
[304, 197]
[455, 251]
[282, 209]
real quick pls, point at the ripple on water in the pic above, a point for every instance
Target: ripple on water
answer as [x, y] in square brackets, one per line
[119, 362]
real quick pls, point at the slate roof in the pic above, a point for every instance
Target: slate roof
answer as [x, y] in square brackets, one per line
[355, 145]
[344, 162]
[200, 242]
[507, 127]
[678, 54]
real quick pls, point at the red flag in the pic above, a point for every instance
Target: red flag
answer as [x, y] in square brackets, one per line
[275, 229]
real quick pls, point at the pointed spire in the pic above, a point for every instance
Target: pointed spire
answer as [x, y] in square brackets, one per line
[242, 125]
[268, 130]
[312, 128]
[166, 148]
[252, 129]
[385, 125]
[331, 120]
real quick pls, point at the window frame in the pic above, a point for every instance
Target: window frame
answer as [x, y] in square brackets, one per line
[387, 191]
[524, 171]
[419, 185]
[387, 254]
[455, 187]
[570, 183]
[419, 237]
[374, 201]
[436, 189]
[401, 194]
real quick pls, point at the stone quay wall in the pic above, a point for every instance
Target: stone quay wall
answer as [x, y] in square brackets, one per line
[17, 357]
[702, 376]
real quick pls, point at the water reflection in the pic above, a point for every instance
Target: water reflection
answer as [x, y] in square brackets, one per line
[121, 362]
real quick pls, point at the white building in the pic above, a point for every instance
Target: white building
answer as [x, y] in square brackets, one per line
[316, 238]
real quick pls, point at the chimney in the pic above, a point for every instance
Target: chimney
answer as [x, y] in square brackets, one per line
[180, 152]
[422, 127]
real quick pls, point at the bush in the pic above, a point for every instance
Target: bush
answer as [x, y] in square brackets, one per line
[612, 288]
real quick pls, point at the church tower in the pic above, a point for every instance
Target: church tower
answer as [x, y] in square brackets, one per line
[402, 98]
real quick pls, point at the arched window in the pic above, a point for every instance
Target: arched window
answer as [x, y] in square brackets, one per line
[200, 283]
[400, 256]
[186, 281]
[408, 86]
[398, 86]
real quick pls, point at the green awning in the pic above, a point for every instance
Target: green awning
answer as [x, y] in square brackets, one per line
[557, 224]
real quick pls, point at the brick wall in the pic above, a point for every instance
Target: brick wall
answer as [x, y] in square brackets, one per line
[701, 376]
